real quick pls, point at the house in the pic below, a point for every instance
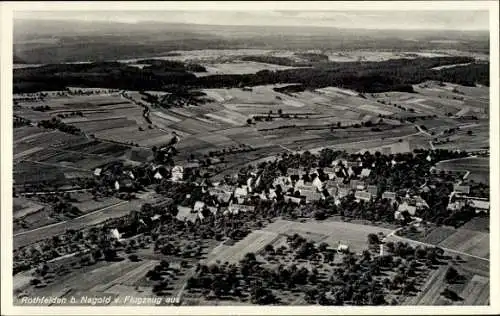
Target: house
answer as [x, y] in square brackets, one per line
[198, 206]
[158, 175]
[293, 199]
[272, 194]
[357, 184]
[363, 196]
[311, 195]
[116, 234]
[212, 210]
[124, 184]
[155, 217]
[339, 162]
[373, 189]
[389, 195]
[343, 191]
[480, 205]
[463, 189]
[365, 172]
[177, 173]
[97, 172]
[294, 172]
[236, 208]
[406, 207]
[241, 192]
[186, 214]
[398, 216]
[343, 248]
[317, 183]
[332, 190]
[420, 202]
[330, 172]
[221, 195]
[302, 186]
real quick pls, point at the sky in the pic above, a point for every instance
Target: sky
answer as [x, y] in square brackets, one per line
[404, 20]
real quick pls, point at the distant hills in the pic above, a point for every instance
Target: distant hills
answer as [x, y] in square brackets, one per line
[46, 41]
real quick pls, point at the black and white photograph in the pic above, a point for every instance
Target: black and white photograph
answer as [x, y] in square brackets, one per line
[280, 155]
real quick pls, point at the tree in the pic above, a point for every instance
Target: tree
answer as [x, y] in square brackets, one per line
[452, 275]
[373, 239]
[450, 294]
[133, 258]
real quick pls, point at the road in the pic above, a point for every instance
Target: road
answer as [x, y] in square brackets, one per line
[93, 218]
[53, 192]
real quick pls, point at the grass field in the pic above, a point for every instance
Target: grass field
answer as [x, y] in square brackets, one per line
[468, 241]
[478, 167]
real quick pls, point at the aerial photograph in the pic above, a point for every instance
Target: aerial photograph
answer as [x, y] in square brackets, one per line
[272, 157]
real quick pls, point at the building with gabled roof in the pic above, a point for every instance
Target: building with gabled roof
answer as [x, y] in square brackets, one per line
[373, 189]
[406, 207]
[389, 195]
[365, 172]
[236, 208]
[362, 196]
[186, 214]
[463, 189]
[293, 199]
[311, 195]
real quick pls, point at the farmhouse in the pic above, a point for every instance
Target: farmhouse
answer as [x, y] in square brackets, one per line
[420, 202]
[311, 195]
[186, 214]
[293, 199]
[389, 195]
[362, 196]
[158, 176]
[198, 206]
[330, 172]
[300, 185]
[372, 189]
[343, 191]
[365, 173]
[97, 172]
[317, 183]
[357, 184]
[406, 207]
[155, 217]
[332, 190]
[177, 173]
[480, 205]
[221, 193]
[463, 189]
[241, 192]
[294, 172]
[283, 182]
[124, 185]
[339, 162]
[236, 208]
[343, 248]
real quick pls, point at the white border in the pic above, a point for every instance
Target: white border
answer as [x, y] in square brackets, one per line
[6, 10]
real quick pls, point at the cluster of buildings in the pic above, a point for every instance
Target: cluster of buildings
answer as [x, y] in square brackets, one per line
[460, 197]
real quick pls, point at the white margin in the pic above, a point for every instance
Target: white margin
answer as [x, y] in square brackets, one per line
[6, 10]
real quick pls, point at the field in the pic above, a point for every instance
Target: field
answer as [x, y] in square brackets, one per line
[92, 218]
[468, 241]
[474, 290]
[331, 232]
[478, 167]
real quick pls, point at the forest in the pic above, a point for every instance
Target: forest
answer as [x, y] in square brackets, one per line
[364, 77]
